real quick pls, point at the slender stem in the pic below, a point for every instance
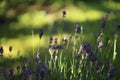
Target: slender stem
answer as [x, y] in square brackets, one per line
[114, 53]
[39, 45]
[33, 41]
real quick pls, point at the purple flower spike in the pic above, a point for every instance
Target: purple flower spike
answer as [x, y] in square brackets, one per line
[11, 74]
[37, 56]
[103, 23]
[93, 58]
[87, 48]
[30, 74]
[41, 32]
[1, 51]
[11, 71]
[43, 73]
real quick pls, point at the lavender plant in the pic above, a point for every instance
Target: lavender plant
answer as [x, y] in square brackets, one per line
[72, 59]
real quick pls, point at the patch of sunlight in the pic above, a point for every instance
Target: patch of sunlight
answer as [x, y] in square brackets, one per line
[56, 5]
[29, 40]
[94, 15]
[112, 5]
[17, 47]
[33, 19]
[22, 45]
[77, 14]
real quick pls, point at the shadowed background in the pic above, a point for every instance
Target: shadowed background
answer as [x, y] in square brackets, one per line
[19, 17]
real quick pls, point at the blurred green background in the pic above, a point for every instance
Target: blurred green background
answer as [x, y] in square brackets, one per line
[19, 17]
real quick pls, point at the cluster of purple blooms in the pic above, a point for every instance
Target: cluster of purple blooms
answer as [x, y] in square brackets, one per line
[86, 49]
[42, 70]
[53, 44]
[24, 71]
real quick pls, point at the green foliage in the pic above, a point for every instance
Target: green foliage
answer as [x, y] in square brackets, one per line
[19, 17]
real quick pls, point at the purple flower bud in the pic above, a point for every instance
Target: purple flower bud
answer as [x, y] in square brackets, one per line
[24, 69]
[51, 39]
[30, 74]
[11, 74]
[112, 72]
[59, 47]
[87, 48]
[56, 40]
[64, 40]
[10, 48]
[43, 73]
[64, 13]
[1, 51]
[18, 68]
[37, 56]
[103, 24]
[100, 44]
[93, 58]
[41, 32]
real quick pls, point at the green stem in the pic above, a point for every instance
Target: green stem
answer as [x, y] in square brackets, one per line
[114, 53]
[33, 41]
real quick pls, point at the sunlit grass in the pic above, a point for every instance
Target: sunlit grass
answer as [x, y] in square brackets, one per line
[77, 14]
[65, 65]
[22, 44]
[33, 19]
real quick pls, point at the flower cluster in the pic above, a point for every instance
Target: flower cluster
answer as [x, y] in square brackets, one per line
[99, 40]
[99, 67]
